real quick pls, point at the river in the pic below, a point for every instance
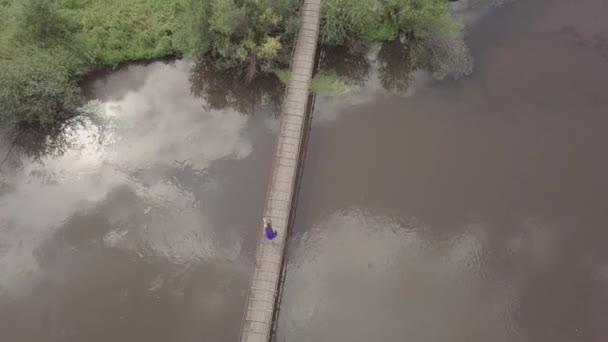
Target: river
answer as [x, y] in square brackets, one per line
[472, 210]
[464, 210]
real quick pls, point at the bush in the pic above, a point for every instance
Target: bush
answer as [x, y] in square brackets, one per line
[7, 28]
[328, 82]
[37, 87]
[436, 37]
[385, 32]
[40, 66]
[40, 22]
[324, 82]
[237, 33]
[444, 52]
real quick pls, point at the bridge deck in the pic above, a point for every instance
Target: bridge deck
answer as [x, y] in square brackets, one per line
[263, 294]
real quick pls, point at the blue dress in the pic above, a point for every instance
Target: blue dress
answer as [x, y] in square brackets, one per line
[271, 233]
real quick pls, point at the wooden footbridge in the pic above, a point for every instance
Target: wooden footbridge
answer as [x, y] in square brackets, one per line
[264, 293]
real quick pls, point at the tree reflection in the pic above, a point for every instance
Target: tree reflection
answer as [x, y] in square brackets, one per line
[394, 66]
[345, 63]
[228, 89]
[38, 141]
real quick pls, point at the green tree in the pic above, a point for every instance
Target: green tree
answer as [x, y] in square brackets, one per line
[251, 33]
[193, 35]
[435, 38]
[37, 87]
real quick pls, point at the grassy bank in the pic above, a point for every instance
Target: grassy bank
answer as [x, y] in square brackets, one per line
[48, 45]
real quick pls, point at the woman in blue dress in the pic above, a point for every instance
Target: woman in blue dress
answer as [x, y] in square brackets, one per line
[268, 230]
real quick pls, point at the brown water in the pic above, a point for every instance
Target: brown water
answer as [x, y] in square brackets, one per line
[137, 224]
[470, 210]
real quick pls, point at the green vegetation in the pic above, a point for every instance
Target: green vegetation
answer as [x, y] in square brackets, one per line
[37, 67]
[38, 87]
[434, 38]
[256, 34]
[332, 83]
[48, 45]
[324, 82]
[111, 32]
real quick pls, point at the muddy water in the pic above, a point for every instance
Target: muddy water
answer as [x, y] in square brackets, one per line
[135, 223]
[468, 211]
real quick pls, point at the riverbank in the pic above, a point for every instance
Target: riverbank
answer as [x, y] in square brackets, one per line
[49, 46]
